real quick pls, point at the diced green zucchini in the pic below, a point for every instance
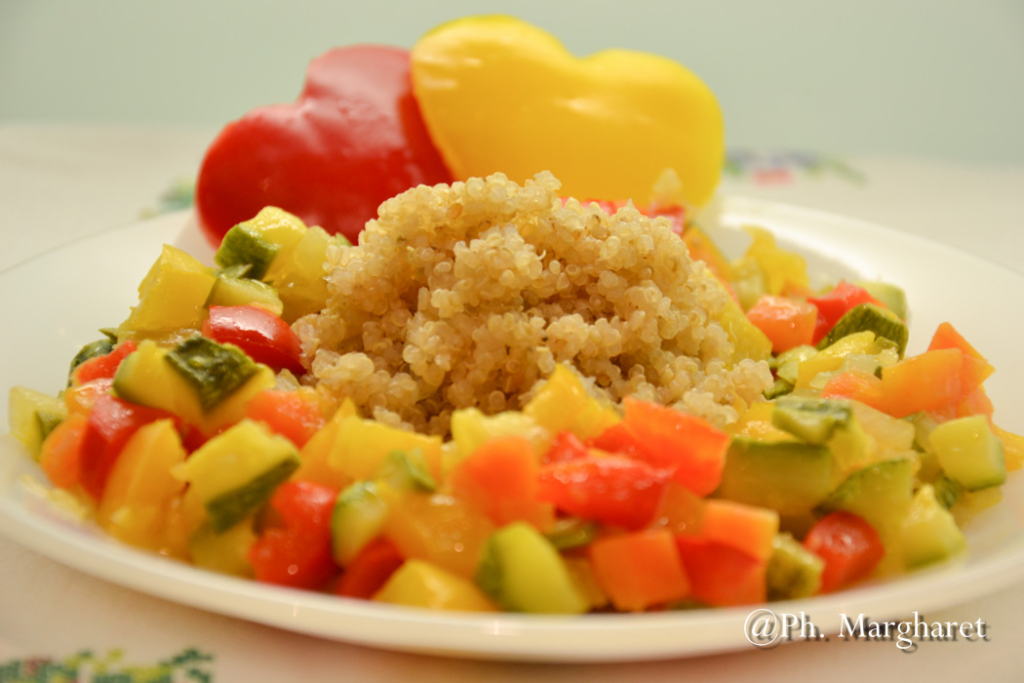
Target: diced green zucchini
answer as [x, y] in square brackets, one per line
[947, 491]
[779, 388]
[234, 474]
[214, 370]
[825, 422]
[811, 419]
[571, 532]
[880, 493]
[359, 516]
[793, 571]
[787, 476]
[523, 572]
[869, 317]
[243, 245]
[241, 291]
[32, 415]
[406, 470]
[969, 452]
[929, 532]
[233, 506]
[225, 552]
[894, 298]
[147, 377]
[100, 347]
[788, 362]
[298, 273]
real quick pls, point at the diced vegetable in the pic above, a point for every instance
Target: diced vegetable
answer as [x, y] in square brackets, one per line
[639, 570]
[969, 452]
[358, 518]
[501, 478]
[930, 533]
[421, 584]
[523, 572]
[32, 415]
[849, 546]
[263, 336]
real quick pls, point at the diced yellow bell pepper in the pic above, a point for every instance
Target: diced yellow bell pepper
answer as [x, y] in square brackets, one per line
[498, 94]
[171, 297]
[784, 272]
[472, 429]
[421, 584]
[564, 404]
[137, 500]
[441, 529]
[315, 455]
[360, 447]
[831, 358]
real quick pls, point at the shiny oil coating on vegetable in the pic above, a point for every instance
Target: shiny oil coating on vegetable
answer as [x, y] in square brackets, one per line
[465, 295]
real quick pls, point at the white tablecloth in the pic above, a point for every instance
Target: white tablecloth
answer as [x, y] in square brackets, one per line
[58, 184]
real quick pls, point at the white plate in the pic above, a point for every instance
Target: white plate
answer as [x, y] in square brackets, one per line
[54, 304]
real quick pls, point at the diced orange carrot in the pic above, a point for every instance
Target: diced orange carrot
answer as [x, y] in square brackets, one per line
[500, 479]
[786, 322]
[746, 528]
[929, 381]
[61, 455]
[639, 570]
[857, 385]
[975, 369]
[81, 398]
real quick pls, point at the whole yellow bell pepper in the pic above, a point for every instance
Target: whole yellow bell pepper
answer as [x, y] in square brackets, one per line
[499, 94]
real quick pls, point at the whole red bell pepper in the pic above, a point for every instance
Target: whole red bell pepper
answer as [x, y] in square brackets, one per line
[354, 138]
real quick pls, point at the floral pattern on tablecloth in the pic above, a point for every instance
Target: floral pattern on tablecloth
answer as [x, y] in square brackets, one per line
[188, 666]
[784, 167]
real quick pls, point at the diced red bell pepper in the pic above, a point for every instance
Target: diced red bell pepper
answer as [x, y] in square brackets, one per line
[720, 575]
[111, 422]
[299, 554]
[835, 304]
[618, 438]
[613, 490]
[296, 415]
[103, 367]
[849, 546]
[565, 446]
[500, 479]
[639, 570]
[786, 322]
[61, 455]
[369, 570]
[264, 337]
[670, 439]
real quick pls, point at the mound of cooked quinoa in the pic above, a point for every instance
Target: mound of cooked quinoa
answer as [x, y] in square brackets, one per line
[469, 294]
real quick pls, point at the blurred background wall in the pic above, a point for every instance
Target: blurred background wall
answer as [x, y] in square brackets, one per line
[940, 79]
